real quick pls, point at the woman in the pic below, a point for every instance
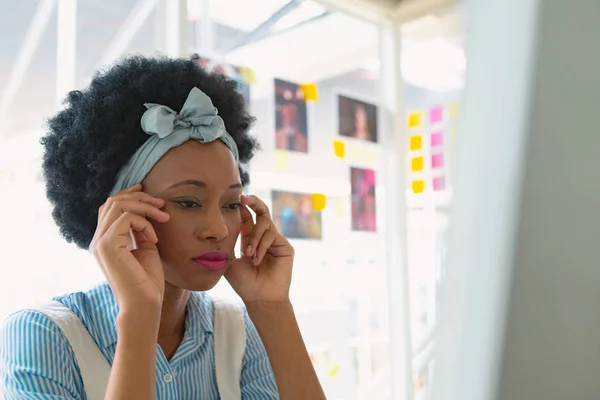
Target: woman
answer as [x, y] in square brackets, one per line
[142, 170]
[361, 123]
[289, 136]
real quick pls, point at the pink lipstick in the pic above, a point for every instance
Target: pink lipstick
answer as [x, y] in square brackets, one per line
[213, 261]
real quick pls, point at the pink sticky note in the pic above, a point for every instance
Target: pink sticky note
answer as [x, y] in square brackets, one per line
[436, 115]
[437, 139]
[439, 183]
[437, 161]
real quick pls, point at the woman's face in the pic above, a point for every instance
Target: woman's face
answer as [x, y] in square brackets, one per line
[289, 114]
[201, 186]
[360, 118]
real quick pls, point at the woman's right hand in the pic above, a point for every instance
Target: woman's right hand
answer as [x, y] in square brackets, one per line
[124, 245]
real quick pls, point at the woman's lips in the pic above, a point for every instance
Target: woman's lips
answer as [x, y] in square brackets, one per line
[213, 261]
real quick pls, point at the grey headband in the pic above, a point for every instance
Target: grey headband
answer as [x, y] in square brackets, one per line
[198, 120]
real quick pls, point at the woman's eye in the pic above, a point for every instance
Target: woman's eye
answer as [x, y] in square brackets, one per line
[188, 204]
[234, 206]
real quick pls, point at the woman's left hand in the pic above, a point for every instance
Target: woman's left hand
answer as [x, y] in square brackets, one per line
[264, 271]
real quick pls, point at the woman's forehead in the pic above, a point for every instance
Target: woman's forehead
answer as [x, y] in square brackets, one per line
[212, 163]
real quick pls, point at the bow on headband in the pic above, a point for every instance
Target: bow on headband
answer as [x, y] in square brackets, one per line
[198, 120]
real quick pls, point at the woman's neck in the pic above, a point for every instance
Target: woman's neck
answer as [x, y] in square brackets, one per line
[172, 321]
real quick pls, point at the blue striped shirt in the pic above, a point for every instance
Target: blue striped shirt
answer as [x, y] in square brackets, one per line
[36, 360]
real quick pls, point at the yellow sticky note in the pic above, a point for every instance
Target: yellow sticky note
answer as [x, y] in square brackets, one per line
[418, 186]
[339, 148]
[282, 161]
[452, 109]
[334, 371]
[414, 119]
[247, 75]
[355, 153]
[319, 201]
[338, 208]
[311, 93]
[416, 164]
[453, 134]
[372, 155]
[416, 142]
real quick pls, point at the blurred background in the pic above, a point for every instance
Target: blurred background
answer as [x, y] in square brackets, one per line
[357, 105]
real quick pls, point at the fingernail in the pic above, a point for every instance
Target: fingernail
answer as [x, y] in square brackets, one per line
[249, 250]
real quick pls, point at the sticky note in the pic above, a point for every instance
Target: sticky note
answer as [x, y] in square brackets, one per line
[414, 119]
[372, 155]
[355, 152]
[339, 148]
[436, 115]
[247, 75]
[439, 183]
[416, 164]
[452, 134]
[319, 201]
[311, 93]
[437, 160]
[338, 208]
[437, 139]
[334, 371]
[282, 161]
[418, 186]
[416, 142]
[452, 109]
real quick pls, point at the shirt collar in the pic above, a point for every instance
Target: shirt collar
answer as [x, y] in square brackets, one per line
[199, 317]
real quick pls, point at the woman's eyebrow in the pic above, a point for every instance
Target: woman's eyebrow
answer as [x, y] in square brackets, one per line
[191, 182]
[200, 184]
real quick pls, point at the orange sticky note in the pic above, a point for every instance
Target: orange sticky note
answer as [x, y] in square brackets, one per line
[416, 142]
[339, 148]
[282, 161]
[311, 93]
[319, 201]
[414, 119]
[416, 164]
[418, 186]
[247, 75]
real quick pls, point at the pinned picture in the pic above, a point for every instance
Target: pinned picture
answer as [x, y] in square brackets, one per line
[363, 200]
[295, 216]
[291, 123]
[357, 119]
[230, 71]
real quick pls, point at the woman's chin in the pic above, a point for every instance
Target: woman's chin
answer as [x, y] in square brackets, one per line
[198, 282]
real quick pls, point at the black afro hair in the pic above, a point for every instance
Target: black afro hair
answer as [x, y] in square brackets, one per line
[98, 131]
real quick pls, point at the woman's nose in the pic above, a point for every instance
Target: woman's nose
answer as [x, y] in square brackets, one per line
[213, 226]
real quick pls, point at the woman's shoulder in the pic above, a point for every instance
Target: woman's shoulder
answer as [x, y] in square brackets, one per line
[36, 325]
[39, 321]
[27, 337]
[34, 352]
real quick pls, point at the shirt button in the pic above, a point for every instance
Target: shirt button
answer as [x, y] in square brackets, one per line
[168, 378]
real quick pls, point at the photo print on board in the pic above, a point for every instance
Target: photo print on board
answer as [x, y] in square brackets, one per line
[230, 71]
[363, 200]
[295, 217]
[291, 124]
[357, 119]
